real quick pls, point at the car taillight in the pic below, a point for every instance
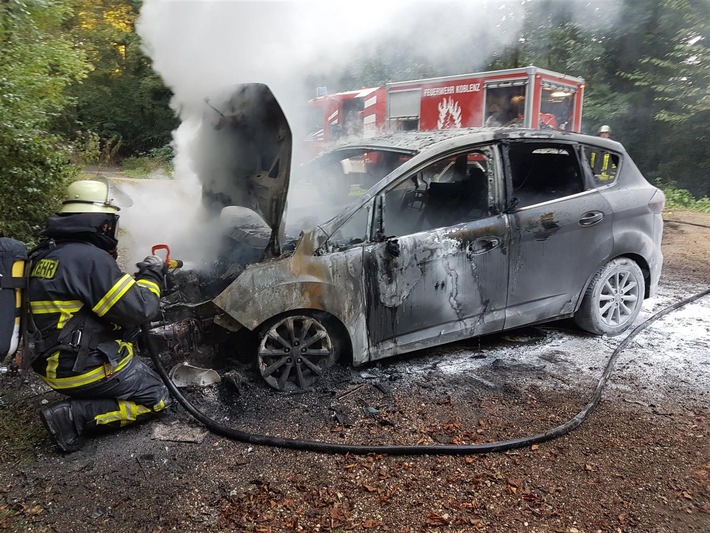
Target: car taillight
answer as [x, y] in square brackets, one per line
[657, 201]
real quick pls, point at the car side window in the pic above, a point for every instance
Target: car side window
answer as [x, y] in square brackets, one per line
[603, 164]
[541, 172]
[449, 191]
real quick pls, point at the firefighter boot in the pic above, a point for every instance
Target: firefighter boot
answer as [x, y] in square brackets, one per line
[59, 421]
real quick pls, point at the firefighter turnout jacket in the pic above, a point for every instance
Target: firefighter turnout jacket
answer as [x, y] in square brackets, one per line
[88, 313]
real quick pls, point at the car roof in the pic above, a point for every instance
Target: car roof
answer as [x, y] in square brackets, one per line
[418, 141]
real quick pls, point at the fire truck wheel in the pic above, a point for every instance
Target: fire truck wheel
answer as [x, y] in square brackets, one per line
[295, 349]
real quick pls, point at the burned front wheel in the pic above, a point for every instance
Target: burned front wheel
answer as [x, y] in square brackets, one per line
[295, 350]
[613, 299]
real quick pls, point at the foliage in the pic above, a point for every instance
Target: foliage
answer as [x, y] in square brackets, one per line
[646, 64]
[35, 173]
[676, 82]
[86, 148]
[74, 70]
[165, 154]
[156, 161]
[677, 198]
[122, 99]
[37, 64]
[680, 77]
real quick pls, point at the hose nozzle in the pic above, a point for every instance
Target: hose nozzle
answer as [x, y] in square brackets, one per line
[172, 263]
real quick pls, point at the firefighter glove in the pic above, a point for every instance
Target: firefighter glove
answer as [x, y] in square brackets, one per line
[154, 269]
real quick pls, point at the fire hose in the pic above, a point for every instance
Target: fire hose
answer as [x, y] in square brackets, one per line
[438, 449]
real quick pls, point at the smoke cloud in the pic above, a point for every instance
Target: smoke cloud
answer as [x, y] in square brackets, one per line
[202, 47]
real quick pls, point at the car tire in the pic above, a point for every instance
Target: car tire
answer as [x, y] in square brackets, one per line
[613, 299]
[294, 350]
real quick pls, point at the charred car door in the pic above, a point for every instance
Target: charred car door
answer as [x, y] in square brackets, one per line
[560, 230]
[437, 269]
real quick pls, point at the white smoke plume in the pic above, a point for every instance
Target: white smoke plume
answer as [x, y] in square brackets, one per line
[201, 47]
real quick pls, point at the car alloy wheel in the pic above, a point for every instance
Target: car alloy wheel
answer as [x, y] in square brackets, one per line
[295, 350]
[613, 299]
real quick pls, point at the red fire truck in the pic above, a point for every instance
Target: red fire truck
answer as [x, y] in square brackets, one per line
[529, 97]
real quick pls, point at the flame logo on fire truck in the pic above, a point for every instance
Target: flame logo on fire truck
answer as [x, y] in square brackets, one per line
[449, 114]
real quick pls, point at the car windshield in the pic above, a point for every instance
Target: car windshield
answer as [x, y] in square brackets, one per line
[322, 187]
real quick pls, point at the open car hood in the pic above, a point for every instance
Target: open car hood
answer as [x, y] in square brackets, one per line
[242, 156]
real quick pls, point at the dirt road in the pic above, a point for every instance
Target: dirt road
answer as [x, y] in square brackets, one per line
[640, 463]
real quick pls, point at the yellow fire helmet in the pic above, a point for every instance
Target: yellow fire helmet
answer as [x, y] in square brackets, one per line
[94, 196]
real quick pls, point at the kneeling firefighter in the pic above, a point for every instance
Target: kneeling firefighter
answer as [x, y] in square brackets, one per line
[85, 315]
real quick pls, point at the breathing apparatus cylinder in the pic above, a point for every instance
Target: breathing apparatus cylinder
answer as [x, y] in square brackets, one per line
[13, 255]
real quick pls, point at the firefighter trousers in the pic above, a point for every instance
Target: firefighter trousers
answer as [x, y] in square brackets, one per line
[133, 394]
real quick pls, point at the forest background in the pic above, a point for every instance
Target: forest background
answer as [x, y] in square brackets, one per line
[76, 88]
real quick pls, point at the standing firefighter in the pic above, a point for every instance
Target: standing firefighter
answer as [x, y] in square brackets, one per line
[86, 315]
[604, 131]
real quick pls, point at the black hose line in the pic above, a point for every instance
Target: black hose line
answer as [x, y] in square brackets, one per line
[686, 223]
[438, 449]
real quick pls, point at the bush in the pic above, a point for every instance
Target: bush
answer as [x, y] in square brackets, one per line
[165, 153]
[157, 160]
[86, 148]
[36, 170]
[677, 198]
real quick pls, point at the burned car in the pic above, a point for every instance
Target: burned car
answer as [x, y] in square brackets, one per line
[472, 232]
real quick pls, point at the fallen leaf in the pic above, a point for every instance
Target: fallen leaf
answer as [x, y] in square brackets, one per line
[34, 511]
[434, 520]
[338, 513]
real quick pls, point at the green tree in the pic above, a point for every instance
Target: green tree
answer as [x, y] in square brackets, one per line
[647, 72]
[676, 78]
[37, 63]
[572, 39]
[122, 99]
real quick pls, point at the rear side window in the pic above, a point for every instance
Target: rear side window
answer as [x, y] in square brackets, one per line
[603, 164]
[541, 172]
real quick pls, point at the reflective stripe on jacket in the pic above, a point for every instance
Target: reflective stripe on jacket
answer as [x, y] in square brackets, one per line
[79, 278]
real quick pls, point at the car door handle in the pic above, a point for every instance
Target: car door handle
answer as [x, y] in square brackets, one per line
[483, 245]
[590, 218]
